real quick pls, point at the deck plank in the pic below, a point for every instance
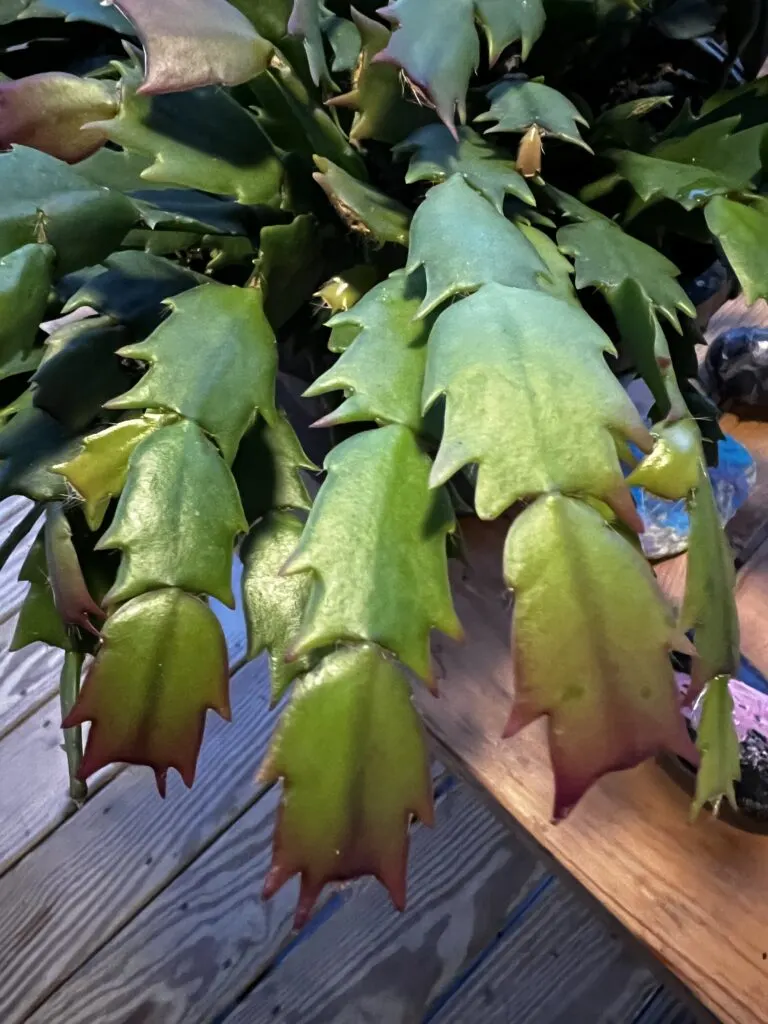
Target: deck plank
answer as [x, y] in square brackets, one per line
[34, 793]
[368, 963]
[195, 946]
[562, 966]
[198, 945]
[34, 796]
[28, 678]
[676, 887]
[71, 894]
[12, 511]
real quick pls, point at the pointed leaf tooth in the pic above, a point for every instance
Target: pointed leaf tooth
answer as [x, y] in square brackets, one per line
[387, 580]
[177, 517]
[162, 665]
[193, 43]
[98, 471]
[718, 746]
[213, 360]
[382, 371]
[535, 406]
[463, 243]
[346, 808]
[591, 636]
[505, 23]
[518, 105]
[436, 154]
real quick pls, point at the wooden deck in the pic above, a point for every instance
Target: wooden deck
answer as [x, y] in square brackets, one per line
[135, 910]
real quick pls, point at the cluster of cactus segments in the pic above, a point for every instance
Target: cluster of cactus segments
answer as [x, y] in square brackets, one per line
[428, 233]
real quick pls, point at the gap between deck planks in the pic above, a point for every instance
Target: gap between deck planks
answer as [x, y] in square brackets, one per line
[248, 813]
[97, 870]
[562, 967]
[471, 882]
[678, 888]
[34, 798]
[366, 962]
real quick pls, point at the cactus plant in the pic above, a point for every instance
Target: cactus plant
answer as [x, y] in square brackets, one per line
[457, 222]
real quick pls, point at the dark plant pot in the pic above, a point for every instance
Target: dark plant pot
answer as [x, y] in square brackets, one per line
[751, 719]
[751, 815]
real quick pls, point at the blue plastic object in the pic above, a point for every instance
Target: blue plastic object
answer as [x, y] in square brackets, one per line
[667, 523]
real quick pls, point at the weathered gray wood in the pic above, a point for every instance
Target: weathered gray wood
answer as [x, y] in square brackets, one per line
[678, 888]
[33, 790]
[369, 963]
[12, 511]
[195, 946]
[559, 966]
[28, 678]
[34, 797]
[70, 895]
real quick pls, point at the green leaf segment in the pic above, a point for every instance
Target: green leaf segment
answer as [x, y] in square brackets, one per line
[158, 425]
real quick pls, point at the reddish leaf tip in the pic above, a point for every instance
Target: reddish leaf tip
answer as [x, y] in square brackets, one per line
[623, 504]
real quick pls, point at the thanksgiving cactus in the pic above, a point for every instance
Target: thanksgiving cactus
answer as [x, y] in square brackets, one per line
[456, 222]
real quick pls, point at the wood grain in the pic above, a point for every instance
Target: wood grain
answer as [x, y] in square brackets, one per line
[195, 947]
[561, 966]
[34, 797]
[368, 963]
[752, 601]
[33, 794]
[678, 888]
[71, 894]
[12, 510]
[28, 678]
